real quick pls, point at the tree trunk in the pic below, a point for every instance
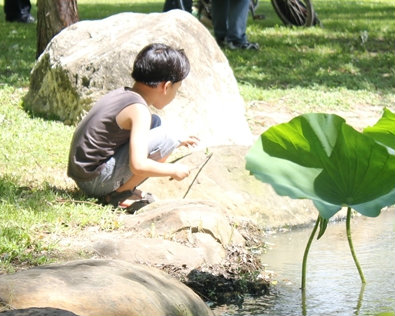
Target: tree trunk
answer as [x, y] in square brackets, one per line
[52, 17]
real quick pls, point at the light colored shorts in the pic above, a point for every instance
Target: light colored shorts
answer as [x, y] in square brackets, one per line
[116, 170]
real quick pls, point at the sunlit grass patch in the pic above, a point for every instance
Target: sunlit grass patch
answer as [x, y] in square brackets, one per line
[39, 204]
[34, 220]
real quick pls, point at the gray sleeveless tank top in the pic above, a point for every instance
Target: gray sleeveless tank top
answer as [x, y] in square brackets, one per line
[98, 136]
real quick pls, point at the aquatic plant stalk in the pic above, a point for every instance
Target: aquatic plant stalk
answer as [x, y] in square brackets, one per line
[306, 252]
[360, 300]
[348, 229]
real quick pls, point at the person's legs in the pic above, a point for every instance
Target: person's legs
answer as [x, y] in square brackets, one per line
[155, 121]
[11, 10]
[173, 4]
[188, 6]
[132, 180]
[18, 10]
[237, 21]
[161, 145]
[219, 13]
[116, 174]
[170, 5]
[236, 37]
[25, 7]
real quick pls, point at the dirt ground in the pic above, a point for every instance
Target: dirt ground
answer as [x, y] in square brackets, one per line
[261, 115]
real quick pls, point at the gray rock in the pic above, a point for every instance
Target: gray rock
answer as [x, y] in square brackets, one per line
[100, 287]
[194, 241]
[89, 58]
[184, 234]
[183, 218]
[157, 251]
[44, 311]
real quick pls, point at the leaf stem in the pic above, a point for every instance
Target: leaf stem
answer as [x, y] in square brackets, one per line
[348, 229]
[306, 252]
[360, 299]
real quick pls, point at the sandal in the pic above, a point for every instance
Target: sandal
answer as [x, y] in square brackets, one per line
[135, 206]
[117, 199]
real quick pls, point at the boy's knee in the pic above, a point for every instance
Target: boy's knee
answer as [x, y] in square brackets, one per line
[155, 121]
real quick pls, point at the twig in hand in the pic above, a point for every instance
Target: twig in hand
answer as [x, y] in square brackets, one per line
[179, 158]
[200, 169]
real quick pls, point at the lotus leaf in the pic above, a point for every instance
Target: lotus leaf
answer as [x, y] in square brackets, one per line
[384, 130]
[320, 157]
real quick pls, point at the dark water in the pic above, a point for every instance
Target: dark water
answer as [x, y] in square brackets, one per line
[333, 286]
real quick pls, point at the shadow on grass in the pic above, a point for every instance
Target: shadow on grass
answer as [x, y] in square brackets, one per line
[34, 220]
[333, 57]
[313, 60]
[353, 50]
[25, 197]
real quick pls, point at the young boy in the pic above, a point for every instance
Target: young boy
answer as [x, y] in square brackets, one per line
[120, 143]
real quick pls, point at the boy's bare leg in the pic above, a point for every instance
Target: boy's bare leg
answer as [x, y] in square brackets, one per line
[132, 183]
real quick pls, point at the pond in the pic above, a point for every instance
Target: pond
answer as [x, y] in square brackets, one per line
[333, 286]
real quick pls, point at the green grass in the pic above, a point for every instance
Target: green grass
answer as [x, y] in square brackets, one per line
[349, 61]
[39, 205]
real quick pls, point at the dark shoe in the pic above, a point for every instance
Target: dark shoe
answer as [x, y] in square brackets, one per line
[27, 19]
[116, 198]
[147, 198]
[135, 206]
[221, 42]
[246, 45]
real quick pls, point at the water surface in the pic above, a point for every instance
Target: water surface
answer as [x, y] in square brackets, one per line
[333, 286]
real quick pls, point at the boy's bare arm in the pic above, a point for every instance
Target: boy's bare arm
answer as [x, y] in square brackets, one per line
[137, 118]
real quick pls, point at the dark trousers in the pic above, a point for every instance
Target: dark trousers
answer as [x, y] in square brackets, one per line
[16, 10]
[230, 20]
[174, 4]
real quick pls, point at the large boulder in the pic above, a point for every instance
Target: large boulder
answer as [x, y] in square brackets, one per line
[89, 58]
[100, 287]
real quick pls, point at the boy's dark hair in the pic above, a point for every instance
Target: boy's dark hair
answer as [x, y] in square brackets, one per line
[156, 63]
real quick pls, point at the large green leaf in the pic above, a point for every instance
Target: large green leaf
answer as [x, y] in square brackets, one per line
[384, 130]
[320, 157]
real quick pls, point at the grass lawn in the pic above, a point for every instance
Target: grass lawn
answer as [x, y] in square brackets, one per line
[349, 61]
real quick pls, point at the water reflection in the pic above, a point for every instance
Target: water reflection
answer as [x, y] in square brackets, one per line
[333, 285]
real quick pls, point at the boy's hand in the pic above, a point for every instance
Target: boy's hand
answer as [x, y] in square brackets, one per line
[191, 141]
[181, 172]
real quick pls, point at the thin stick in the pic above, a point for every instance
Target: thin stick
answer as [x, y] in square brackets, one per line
[200, 169]
[181, 157]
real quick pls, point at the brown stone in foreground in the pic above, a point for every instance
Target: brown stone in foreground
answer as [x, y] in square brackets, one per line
[38, 311]
[194, 241]
[100, 287]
